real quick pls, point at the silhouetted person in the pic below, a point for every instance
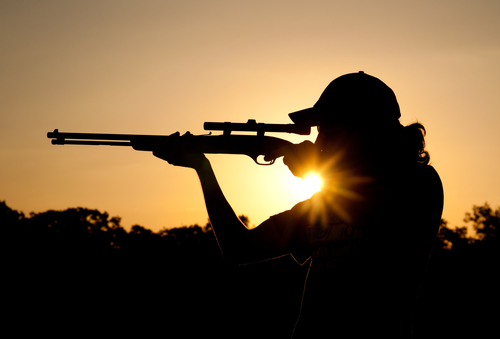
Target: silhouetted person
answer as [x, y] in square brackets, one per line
[367, 235]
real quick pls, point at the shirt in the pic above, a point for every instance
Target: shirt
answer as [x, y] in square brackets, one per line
[363, 278]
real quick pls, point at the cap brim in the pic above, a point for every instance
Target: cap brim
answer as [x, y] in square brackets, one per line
[305, 117]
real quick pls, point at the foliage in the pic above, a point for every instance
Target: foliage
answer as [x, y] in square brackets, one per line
[462, 273]
[79, 266]
[485, 222]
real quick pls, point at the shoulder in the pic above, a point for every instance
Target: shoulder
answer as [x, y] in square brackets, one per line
[423, 196]
[279, 235]
[292, 224]
[304, 212]
[417, 180]
[292, 214]
[427, 183]
[423, 172]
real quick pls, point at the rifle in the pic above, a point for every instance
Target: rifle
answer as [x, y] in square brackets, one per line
[227, 143]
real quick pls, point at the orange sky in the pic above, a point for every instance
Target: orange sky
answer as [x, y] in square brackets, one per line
[155, 67]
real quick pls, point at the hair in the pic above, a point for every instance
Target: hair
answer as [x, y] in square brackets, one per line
[401, 143]
[412, 138]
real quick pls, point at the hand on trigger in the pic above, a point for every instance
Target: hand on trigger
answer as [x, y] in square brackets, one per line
[301, 158]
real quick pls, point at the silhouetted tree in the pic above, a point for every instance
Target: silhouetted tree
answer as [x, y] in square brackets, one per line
[62, 263]
[485, 222]
[449, 238]
[459, 288]
[244, 219]
[8, 216]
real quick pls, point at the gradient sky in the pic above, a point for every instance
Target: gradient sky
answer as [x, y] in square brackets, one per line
[155, 67]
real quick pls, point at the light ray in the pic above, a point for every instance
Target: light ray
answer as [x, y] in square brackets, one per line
[312, 183]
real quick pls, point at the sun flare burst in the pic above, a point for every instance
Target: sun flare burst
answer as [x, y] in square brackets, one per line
[312, 183]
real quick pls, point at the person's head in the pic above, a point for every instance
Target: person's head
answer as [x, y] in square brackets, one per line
[359, 114]
[352, 99]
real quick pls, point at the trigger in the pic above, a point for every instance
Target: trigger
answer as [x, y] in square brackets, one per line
[264, 163]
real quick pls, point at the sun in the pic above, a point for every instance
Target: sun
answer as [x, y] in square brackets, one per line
[299, 189]
[312, 183]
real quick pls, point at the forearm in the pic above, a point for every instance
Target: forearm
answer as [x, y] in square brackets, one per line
[229, 230]
[231, 233]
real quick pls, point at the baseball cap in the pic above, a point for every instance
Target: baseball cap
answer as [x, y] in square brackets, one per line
[352, 98]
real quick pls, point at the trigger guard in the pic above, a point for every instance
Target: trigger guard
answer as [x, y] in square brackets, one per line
[264, 163]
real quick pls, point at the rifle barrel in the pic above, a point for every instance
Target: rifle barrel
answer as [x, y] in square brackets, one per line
[91, 142]
[95, 136]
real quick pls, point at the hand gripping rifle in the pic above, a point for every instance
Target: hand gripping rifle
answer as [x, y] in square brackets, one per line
[227, 143]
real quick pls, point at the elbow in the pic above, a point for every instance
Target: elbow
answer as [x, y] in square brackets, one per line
[234, 253]
[236, 250]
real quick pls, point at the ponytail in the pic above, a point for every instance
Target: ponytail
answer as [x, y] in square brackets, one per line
[413, 143]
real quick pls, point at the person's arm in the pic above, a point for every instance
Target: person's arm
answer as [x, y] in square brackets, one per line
[236, 241]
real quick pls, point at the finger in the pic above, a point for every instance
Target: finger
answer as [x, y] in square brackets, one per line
[180, 144]
[163, 146]
[292, 150]
[273, 154]
[185, 140]
[164, 141]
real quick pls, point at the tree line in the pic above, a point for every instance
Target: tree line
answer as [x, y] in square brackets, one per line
[78, 270]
